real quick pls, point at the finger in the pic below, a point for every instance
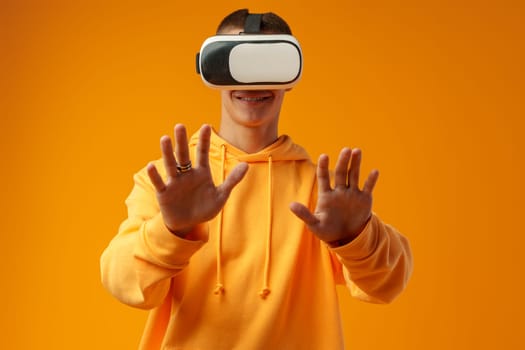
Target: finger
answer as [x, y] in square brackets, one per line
[370, 182]
[341, 168]
[203, 147]
[355, 168]
[304, 214]
[155, 178]
[182, 153]
[323, 174]
[167, 156]
[233, 178]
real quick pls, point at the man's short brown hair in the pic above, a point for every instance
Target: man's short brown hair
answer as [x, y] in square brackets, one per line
[270, 23]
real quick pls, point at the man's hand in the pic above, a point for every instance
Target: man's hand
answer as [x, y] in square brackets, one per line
[341, 212]
[189, 197]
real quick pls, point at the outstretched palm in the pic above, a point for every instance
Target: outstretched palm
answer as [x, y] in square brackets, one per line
[341, 212]
[189, 198]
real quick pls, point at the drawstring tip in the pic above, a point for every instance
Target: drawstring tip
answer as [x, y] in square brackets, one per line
[264, 293]
[219, 289]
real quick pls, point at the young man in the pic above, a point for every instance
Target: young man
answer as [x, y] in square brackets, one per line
[236, 240]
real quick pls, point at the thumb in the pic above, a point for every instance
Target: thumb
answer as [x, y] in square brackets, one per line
[303, 213]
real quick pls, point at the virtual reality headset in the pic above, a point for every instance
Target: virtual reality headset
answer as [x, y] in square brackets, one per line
[250, 61]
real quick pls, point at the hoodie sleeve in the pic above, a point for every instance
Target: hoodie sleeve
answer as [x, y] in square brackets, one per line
[377, 264]
[139, 262]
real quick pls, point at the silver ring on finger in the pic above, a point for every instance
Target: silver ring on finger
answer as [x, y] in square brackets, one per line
[184, 168]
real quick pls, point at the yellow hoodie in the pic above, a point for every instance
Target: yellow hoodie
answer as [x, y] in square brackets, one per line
[260, 280]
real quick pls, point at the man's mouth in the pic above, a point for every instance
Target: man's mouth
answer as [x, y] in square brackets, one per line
[253, 99]
[252, 96]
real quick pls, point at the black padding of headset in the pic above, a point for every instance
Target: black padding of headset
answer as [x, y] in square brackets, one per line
[252, 25]
[217, 69]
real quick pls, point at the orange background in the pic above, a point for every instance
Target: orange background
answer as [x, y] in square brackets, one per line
[432, 91]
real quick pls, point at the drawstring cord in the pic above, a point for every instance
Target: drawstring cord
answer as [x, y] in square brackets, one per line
[265, 291]
[266, 288]
[219, 287]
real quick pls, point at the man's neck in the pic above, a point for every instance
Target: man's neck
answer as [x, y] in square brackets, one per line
[248, 139]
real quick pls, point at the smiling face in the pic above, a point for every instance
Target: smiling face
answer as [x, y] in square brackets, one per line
[249, 118]
[252, 108]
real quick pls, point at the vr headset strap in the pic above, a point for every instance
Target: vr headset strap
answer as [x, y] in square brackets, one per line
[253, 23]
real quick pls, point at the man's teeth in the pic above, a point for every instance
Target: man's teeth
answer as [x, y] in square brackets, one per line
[253, 99]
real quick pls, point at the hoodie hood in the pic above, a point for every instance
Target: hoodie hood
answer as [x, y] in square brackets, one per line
[282, 149]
